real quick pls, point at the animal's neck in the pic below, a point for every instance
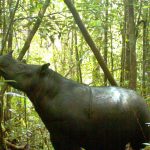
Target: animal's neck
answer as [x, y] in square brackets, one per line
[49, 87]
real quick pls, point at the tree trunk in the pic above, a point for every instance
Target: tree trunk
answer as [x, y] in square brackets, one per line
[2, 144]
[146, 52]
[7, 113]
[78, 62]
[1, 8]
[144, 59]
[125, 48]
[106, 39]
[9, 28]
[90, 42]
[111, 44]
[123, 32]
[147, 67]
[132, 45]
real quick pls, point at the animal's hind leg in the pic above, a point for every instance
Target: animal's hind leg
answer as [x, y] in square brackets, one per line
[63, 143]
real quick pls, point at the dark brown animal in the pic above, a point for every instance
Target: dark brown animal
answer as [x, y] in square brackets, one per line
[77, 115]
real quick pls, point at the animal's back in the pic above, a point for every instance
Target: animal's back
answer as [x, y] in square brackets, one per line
[118, 117]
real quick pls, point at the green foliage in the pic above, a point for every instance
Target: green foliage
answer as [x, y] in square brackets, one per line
[24, 124]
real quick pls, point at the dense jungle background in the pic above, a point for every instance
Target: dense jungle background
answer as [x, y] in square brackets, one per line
[45, 31]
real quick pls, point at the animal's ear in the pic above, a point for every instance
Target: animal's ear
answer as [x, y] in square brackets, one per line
[43, 68]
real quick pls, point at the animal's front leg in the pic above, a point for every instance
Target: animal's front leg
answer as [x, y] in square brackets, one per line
[61, 142]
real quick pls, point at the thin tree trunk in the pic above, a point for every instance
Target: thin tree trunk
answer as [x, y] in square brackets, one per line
[112, 57]
[78, 67]
[78, 62]
[144, 59]
[127, 61]
[9, 28]
[146, 52]
[7, 112]
[147, 68]
[90, 42]
[122, 76]
[106, 39]
[132, 45]
[71, 48]
[2, 144]
[111, 46]
[1, 8]
[127, 49]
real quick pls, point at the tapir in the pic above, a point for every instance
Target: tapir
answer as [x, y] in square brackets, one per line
[77, 115]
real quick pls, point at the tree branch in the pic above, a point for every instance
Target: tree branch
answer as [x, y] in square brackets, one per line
[34, 29]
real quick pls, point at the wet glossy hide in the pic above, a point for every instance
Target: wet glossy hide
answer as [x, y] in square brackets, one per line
[76, 115]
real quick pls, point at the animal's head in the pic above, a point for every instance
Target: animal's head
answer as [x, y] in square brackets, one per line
[20, 75]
